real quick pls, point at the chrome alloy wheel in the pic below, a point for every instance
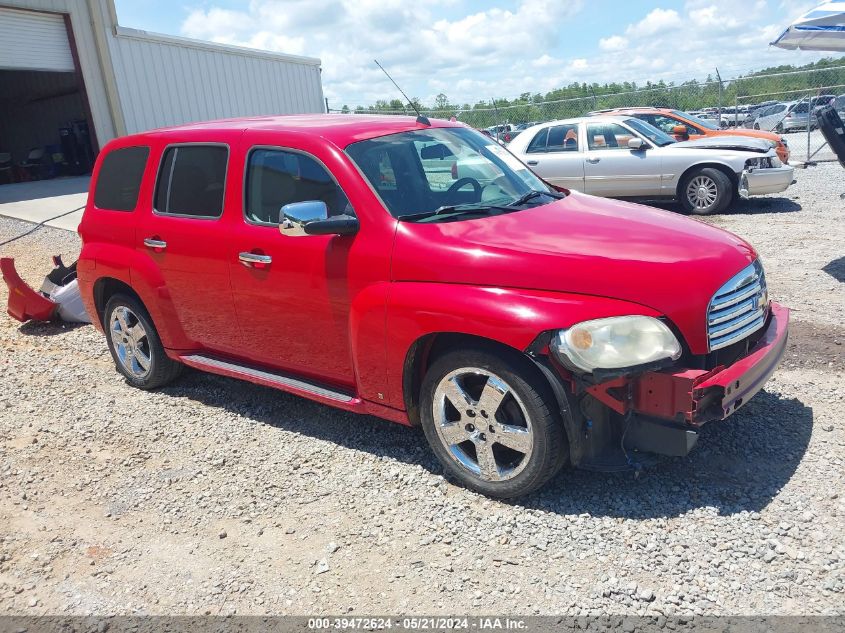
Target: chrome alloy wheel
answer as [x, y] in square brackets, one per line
[130, 342]
[702, 192]
[483, 424]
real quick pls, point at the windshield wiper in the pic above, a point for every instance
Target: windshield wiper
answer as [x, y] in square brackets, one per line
[458, 209]
[534, 194]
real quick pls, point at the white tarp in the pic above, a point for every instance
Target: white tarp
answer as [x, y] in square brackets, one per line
[822, 29]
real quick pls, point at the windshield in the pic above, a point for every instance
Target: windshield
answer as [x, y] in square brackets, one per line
[695, 120]
[656, 136]
[428, 170]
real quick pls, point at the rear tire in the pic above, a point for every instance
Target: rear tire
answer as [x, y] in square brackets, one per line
[705, 191]
[492, 421]
[135, 345]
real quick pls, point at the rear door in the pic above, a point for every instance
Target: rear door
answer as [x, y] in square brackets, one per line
[612, 169]
[185, 236]
[555, 154]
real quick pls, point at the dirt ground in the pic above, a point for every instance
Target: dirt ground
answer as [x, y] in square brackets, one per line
[216, 496]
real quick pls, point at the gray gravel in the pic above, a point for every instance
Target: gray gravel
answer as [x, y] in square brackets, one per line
[215, 496]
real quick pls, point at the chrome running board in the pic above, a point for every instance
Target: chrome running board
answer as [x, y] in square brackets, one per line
[226, 368]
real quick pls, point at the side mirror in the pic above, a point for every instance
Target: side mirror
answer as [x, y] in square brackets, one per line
[680, 130]
[636, 144]
[312, 218]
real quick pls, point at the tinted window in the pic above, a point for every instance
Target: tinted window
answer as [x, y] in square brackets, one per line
[563, 138]
[275, 178]
[191, 181]
[120, 178]
[538, 143]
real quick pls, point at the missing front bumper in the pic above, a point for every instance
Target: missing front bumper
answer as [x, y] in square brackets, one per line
[759, 182]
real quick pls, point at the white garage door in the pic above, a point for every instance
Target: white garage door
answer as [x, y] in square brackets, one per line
[33, 41]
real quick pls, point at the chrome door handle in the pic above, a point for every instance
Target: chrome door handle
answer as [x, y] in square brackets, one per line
[593, 161]
[150, 242]
[532, 162]
[254, 259]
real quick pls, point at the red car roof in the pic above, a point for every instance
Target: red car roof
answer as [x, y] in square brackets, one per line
[340, 129]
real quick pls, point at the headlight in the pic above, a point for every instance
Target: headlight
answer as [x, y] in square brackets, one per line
[616, 342]
[763, 163]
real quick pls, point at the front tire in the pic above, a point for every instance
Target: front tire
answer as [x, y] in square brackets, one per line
[493, 422]
[706, 191]
[135, 345]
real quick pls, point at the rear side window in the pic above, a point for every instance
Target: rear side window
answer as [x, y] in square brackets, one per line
[538, 143]
[119, 180]
[191, 181]
[275, 178]
[563, 138]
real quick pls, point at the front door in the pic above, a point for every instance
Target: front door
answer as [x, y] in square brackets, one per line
[555, 154]
[292, 294]
[612, 169]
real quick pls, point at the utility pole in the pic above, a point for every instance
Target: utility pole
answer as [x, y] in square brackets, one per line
[719, 78]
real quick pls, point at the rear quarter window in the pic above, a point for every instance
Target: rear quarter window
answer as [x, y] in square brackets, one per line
[119, 179]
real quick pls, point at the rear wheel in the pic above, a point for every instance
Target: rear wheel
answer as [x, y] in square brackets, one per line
[706, 191]
[135, 345]
[492, 422]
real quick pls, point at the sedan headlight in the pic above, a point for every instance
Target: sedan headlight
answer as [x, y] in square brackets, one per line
[765, 162]
[616, 343]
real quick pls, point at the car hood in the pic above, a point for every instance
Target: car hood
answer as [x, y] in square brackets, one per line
[741, 143]
[761, 134]
[582, 245]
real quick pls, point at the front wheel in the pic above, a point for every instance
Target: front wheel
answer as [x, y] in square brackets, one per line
[492, 422]
[706, 191]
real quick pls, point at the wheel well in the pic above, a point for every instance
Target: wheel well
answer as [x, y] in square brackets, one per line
[426, 349]
[722, 168]
[105, 288]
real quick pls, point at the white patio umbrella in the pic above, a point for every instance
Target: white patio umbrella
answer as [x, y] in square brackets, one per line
[822, 29]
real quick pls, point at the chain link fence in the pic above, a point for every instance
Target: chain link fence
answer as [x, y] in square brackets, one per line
[782, 102]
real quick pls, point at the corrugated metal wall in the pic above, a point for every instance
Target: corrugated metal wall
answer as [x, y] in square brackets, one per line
[169, 81]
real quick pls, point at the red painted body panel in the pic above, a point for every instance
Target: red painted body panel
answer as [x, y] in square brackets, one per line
[345, 311]
[583, 245]
[24, 303]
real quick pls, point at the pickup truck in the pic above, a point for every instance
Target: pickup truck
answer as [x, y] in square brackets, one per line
[523, 326]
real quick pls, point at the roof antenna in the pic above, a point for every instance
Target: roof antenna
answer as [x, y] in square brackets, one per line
[420, 118]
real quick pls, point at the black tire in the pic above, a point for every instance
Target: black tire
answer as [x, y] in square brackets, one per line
[528, 392]
[161, 370]
[722, 191]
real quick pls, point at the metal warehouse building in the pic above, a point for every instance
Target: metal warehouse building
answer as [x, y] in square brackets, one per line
[71, 79]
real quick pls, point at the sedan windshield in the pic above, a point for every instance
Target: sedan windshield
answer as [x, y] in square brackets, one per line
[446, 173]
[695, 120]
[655, 135]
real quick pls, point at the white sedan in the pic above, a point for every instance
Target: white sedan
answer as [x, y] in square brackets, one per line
[624, 157]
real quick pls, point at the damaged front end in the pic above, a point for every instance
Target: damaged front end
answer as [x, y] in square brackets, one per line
[661, 411]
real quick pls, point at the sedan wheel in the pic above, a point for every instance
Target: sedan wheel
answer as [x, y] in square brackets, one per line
[492, 421]
[483, 424]
[702, 192]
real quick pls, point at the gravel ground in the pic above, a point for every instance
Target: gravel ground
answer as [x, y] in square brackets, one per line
[215, 496]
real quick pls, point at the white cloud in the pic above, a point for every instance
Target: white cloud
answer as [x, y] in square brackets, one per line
[658, 21]
[613, 43]
[501, 51]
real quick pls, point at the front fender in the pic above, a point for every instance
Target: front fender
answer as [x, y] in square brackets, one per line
[513, 317]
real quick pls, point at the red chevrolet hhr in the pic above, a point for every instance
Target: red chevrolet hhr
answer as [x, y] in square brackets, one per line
[339, 258]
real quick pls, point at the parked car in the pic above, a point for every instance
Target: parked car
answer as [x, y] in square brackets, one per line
[625, 157]
[771, 117]
[523, 326]
[839, 105]
[683, 126]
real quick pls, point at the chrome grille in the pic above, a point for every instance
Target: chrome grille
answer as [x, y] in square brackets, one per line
[738, 308]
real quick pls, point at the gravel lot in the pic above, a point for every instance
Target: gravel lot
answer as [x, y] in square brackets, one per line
[216, 496]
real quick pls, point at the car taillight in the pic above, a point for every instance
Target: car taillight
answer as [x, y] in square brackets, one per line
[455, 171]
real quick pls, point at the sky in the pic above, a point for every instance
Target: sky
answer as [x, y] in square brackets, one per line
[472, 50]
